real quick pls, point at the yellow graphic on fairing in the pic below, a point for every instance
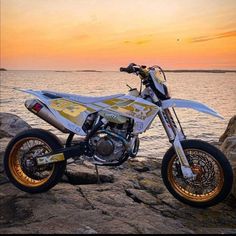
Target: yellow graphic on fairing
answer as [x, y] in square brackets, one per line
[72, 111]
[135, 109]
[113, 101]
[68, 107]
[78, 112]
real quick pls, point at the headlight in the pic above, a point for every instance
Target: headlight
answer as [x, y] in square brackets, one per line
[159, 77]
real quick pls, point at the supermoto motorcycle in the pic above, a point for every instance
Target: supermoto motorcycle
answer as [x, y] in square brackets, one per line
[194, 172]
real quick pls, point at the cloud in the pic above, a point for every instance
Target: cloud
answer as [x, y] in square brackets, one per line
[138, 42]
[213, 37]
[83, 36]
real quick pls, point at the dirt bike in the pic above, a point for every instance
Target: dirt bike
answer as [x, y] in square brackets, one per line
[194, 171]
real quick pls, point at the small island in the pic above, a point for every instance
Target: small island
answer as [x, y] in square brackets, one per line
[88, 71]
[3, 69]
[63, 71]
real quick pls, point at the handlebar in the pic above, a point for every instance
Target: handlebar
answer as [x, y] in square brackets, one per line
[133, 68]
[129, 69]
[123, 69]
[148, 77]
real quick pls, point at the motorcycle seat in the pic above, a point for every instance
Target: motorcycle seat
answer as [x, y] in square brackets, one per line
[79, 98]
[87, 100]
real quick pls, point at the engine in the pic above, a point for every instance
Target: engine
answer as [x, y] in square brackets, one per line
[109, 145]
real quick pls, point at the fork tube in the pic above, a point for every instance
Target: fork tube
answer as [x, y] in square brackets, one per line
[173, 125]
[171, 120]
[173, 135]
[167, 126]
[180, 126]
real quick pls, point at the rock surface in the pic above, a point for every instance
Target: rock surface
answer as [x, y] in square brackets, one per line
[130, 199]
[86, 174]
[230, 129]
[228, 147]
[11, 124]
[136, 202]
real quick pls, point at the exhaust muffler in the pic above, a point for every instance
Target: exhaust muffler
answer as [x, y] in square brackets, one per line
[42, 111]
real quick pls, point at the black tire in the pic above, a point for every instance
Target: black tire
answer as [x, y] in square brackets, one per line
[211, 163]
[21, 177]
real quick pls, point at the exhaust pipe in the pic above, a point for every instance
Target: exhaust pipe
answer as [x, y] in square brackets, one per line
[41, 110]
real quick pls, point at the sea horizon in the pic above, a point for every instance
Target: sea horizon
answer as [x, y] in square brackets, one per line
[96, 70]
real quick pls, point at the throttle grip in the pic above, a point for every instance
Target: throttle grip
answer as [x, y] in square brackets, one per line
[129, 69]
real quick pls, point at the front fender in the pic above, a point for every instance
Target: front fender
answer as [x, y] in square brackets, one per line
[190, 104]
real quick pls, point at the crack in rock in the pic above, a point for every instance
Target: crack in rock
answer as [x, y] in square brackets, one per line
[83, 195]
[141, 196]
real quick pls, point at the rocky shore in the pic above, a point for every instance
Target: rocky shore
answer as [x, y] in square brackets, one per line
[129, 199]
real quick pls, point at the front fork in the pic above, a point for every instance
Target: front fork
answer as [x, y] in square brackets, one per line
[175, 136]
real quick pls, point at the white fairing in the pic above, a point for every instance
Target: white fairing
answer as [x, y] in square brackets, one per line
[65, 122]
[79, 107]
[190, 104]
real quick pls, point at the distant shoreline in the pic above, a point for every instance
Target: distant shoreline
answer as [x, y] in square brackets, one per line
[89, 71]
[167, 70]
[78, 71]
[201, 71]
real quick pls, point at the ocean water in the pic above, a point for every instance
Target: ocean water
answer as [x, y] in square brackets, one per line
[217, 90]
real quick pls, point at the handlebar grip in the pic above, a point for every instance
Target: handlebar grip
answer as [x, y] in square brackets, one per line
[129, 69]
[123, 69]
[132, 67]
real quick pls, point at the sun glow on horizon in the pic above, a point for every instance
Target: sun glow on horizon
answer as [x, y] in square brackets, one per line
[77, 34]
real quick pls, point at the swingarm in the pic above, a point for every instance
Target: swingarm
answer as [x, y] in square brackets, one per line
[80, 149]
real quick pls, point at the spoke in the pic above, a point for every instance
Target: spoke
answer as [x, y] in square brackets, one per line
[23, 162]
[209, 175]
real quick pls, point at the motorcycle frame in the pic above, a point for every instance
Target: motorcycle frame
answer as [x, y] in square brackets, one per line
[82, 148]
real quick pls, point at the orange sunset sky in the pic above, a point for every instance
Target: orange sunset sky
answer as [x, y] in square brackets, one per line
[107, 34]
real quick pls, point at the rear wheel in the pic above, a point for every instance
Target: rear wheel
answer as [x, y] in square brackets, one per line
[214, 175]
[20, 161]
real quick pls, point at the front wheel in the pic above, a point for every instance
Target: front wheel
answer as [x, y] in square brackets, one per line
[214, 175]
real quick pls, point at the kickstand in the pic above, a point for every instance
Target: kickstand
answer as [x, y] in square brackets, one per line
[98, 178]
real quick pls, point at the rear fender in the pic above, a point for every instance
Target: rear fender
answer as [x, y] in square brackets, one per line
[38, 94]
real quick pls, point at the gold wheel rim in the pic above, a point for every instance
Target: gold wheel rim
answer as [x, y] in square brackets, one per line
[15, 165]
[186, 190]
